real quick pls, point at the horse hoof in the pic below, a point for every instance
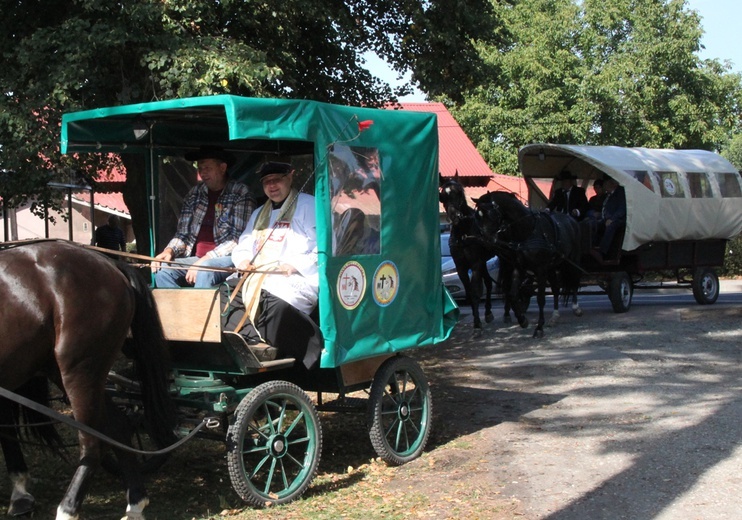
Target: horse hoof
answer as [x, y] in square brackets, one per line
[477, 333]
[538, 333]
[489, 318]
[22, 506]
[523, 322]
[577, 311]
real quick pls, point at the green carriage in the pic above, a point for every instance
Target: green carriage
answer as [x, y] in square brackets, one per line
[381, 167]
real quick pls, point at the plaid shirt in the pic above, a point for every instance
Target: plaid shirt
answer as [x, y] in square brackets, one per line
[233, 209]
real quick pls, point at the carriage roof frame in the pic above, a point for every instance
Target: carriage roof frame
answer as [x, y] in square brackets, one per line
[659, 209]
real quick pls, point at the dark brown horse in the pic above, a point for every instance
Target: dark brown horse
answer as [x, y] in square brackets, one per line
[65, 314]
[468, 249]
[544, 245]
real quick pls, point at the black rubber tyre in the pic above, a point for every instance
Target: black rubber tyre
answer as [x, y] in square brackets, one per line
[620, 292]
[274, 444]
[399, 410]
[705, 285]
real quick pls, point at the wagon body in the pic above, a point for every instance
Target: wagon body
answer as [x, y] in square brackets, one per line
[361, 322]
[681, 205]
[380, 283]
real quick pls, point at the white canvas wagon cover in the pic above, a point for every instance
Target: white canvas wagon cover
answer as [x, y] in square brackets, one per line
[670, 194]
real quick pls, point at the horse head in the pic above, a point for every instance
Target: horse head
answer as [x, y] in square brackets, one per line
[489, 214]
[453, 198]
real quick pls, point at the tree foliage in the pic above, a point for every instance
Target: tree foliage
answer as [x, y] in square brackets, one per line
[623, 73]
[66, 55]
[733, 151]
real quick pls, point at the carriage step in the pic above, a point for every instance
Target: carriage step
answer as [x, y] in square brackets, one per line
[344, 404]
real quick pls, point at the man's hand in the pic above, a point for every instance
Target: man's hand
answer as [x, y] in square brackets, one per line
[288, 269]
[246, 266]
[165, 256]
[192, 273]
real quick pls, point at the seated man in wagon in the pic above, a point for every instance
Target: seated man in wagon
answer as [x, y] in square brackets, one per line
[278, 252]
[613, 216]
[213, 215]
[568, 198]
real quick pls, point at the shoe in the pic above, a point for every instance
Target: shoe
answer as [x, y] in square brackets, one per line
[263, 351]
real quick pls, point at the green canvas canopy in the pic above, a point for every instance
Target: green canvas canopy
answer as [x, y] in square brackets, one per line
[374, 174]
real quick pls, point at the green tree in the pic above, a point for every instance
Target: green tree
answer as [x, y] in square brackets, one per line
[733, 151]
[65, 55]
[622, 73]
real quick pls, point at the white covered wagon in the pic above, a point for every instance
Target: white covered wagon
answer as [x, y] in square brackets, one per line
[681, 208]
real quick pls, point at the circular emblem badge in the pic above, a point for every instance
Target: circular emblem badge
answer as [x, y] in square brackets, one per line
[669, 187]
[386, 283]
[351, 285]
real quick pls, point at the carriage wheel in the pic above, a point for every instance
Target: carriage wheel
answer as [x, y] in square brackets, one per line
[705, 285]
[274, 444]
[399, 410]
[620, 292]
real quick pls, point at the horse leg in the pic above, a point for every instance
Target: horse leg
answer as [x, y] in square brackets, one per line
[87, 404]
[576, 309]
[120, 428]
[555, 290]
[21, 501]
[472, 293]
[541, 298]
[516, 302]
[505, 282]
[488, 316]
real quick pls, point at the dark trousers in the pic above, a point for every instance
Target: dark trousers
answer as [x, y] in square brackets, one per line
[281, 325]
[606, 234]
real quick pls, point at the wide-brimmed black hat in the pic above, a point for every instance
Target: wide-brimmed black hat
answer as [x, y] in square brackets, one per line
[273, 167]
[211, 152]
[565, 174]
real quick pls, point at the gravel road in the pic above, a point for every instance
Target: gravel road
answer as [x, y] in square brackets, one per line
[610, 416]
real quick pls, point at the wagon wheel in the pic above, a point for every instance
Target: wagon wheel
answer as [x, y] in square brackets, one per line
[399, 410]
[274, 444]
[705, 285]
[620, 291]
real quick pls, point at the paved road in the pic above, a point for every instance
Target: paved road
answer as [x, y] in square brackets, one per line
[592, 298]
[631, 416]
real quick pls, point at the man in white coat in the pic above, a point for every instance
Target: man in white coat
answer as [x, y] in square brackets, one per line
[279, 249]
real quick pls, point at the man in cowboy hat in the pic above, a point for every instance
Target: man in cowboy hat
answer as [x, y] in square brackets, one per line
[569, 198]
[214, 213]
[282, 237]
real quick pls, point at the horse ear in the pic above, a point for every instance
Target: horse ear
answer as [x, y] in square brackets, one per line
[456, 175]
[441, 179]
[475, 201]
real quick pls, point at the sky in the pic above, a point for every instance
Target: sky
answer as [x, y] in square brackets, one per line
[722, 39]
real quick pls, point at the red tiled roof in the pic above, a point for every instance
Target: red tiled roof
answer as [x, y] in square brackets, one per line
[105, 201]
[517, 185]
[471, 192]
[456, 151]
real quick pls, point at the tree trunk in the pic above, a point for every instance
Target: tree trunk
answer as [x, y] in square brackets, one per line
[136, 199]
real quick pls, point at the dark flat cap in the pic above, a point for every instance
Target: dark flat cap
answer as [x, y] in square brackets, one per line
[273, 167]
[211, 152]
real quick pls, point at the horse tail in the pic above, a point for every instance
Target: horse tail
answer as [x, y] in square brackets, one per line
[148, 349]
[35, 425]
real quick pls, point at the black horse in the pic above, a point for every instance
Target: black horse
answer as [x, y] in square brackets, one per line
[66, 314]
[468, 249]
[546, 245]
